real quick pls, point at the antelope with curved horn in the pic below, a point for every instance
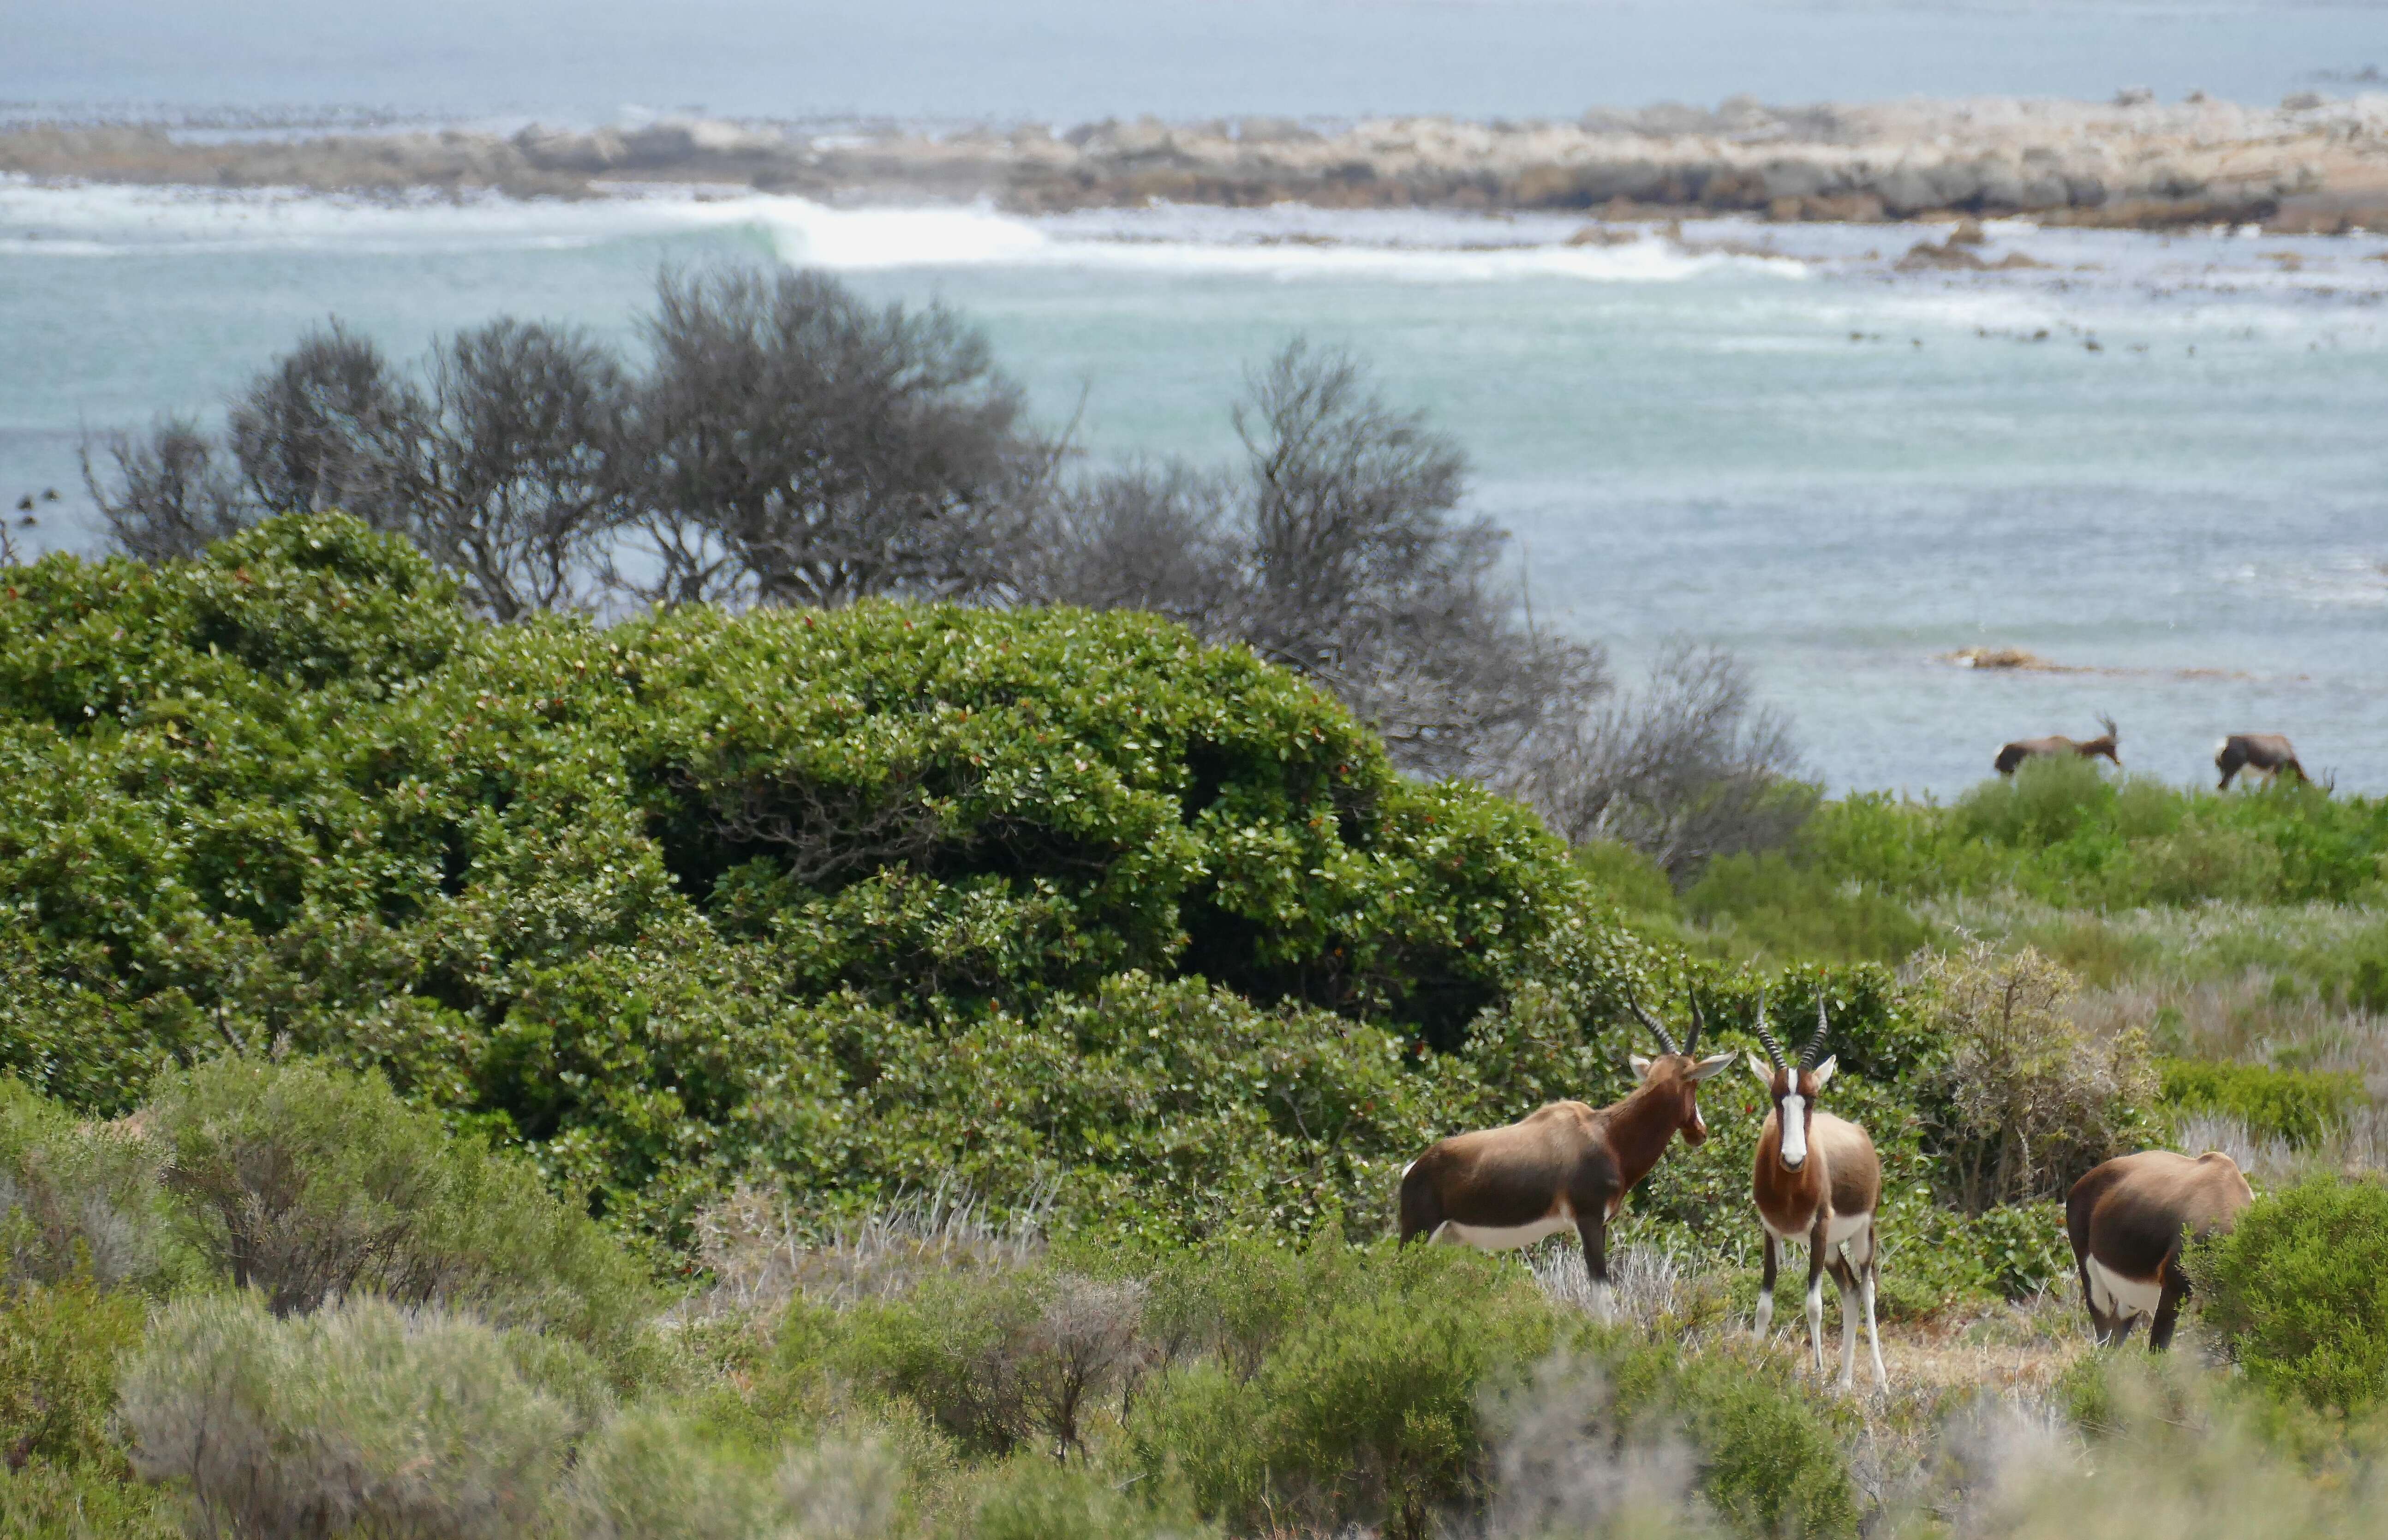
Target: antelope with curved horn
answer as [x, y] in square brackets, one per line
[2269, 754]
[2129, 1220]
[1817, 1179]
[2015, 754]
[1566, 1165]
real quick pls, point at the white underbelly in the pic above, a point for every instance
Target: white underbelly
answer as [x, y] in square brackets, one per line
[1502, 1238]
[1839, 1228]
[2115, 1296]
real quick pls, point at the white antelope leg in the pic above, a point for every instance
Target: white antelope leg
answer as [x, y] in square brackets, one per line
[1867, 1280]
[1820, 1247]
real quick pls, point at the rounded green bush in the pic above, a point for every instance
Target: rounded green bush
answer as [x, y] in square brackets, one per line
[2297, 1293]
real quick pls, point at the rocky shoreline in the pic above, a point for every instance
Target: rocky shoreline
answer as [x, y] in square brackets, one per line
[2308, 166]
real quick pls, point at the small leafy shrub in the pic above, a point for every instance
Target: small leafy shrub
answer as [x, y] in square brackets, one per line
[647, 1476]
[50, 1502]
[1367, 1409]
[2045, 802]
[1769, 1453]
[2029, 1100]
[1032, 1499]
[307, 1182]
[58, 1350]
[362, 1416]
[78, 1202]
[1005, 1359]
[1628, 878]
[2297, 1293]
[2296, 1105]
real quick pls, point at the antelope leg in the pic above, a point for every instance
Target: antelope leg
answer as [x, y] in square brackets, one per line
[1593, 1230]
[1870, 1276]
[1816, 1292]
[1766, 1286]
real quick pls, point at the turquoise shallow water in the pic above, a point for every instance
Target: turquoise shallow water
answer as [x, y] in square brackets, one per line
[1841, 470]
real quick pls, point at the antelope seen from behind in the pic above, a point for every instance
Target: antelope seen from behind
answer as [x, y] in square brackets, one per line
[2015, 754]
[1564, 1166]
[2129, 1220]
[1818, 1181]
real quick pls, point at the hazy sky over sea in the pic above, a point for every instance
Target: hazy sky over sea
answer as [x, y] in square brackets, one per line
[1073, 60]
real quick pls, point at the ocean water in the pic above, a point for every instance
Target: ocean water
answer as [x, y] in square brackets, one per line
[1081, 59]
[2160, 462]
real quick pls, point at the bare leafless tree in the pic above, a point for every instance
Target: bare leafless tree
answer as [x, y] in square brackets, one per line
[1687, 769]
[509, 471]
[1337, 549]
[330, 425]
[171, 490]
[800, 446]
[1161, 538]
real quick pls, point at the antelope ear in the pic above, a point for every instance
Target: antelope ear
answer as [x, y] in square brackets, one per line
[1641, 1066]
[1764, 1071]
[1707, 1067]
[1824, 1071]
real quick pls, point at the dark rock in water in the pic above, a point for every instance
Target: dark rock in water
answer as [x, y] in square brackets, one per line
[49, 494]
[25, 503]
[1927, 257]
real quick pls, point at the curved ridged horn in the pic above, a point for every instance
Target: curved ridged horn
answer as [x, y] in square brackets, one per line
[1815, 1044]
[1700, 1022]
[1773, 1048]
[1665, 1041]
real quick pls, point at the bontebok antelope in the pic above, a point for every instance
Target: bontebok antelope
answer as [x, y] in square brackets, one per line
[2011, 755]
[1817, 1180]
[1565, 1167]
[2129, 1220]
[2269, 754]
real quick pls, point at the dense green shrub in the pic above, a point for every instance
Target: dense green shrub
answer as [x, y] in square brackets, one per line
[1367, 1408]
[363, 1416]
[2063, 831]
[307, 1183]
[2298, 1292]
[2296, 1105]
[1779, 906]
[686, 898]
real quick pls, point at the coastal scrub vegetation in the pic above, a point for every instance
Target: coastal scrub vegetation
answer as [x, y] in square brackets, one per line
[914, 1058]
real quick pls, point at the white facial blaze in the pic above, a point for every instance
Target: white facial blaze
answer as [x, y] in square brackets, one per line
[1795, 1130]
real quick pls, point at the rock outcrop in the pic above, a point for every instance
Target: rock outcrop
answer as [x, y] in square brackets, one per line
[2309, 164]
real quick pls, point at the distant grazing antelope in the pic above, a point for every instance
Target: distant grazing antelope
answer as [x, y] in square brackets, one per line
[1817, 1180]
[1565, 1165]
[2269, 754]
[2129, 1220]
[2022, 749]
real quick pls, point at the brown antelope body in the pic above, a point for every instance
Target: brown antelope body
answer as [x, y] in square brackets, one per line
[2129, 1220]
[1817, 1181]
[2015, 754]
[1564, 1166]
[2269, 754]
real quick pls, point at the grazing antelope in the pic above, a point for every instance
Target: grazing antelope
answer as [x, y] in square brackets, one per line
[2269, 754]
[2015, 754]
[1565, 1165]
[1817, 1180]
[2129, 1220]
